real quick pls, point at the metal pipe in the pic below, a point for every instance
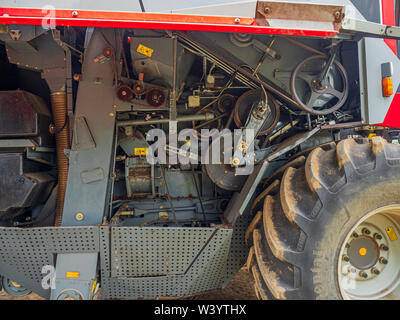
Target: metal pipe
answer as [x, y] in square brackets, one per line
[223, 62]
[211, 121]
[304, 46]
[59, 109]
[186, 118]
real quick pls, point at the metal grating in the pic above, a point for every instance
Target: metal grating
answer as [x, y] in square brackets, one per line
[23, 252]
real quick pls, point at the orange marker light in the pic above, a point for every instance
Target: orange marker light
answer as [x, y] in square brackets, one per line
[387, 85]
[362, 251]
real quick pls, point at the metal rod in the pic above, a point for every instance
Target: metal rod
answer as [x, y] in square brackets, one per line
[304, 46]
[198, 192]
[172, 106]
[186, 118]
[168, 196]
[211, 121]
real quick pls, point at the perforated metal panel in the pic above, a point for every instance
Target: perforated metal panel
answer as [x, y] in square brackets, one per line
[137, 288]
[238, 250]
[24, 252]
[105, 268]
[165, 261]
[208, 271]
[152, 262]
[145, 252]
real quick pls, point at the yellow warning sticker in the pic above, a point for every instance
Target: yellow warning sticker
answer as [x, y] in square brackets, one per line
[392, 235]
[145, 50]
[72, 274]
[371, 135]
[140, 151]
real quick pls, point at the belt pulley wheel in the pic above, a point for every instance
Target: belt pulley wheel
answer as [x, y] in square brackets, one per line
[223, 174]
[246, 102]
[315, 96]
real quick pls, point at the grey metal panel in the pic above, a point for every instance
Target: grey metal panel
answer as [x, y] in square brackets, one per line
[87, 273]
[75, 4]
[105, 265]
[215, 8]
[136, 288]
[209, 269]
[205, 249]
[372, 54]
[370, 9]
[244, 8]
[140, 252]
[24, 252]
[238, 249]
[202, 265]
[95, 101]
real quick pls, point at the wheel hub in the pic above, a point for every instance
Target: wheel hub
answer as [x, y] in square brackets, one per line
[363, 252]
[369, 258]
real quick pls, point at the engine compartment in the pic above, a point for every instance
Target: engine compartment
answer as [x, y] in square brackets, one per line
[195, 88]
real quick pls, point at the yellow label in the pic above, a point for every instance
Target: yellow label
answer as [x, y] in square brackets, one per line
[371, 135]
[3, 28]
[140, 151]
[72, 274]
[145, 50]
[93, 286]
[392, 235]
[163, 215]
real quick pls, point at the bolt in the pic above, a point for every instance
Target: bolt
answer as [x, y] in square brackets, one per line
[337, 14]
[365, 231]
[346, 258]
[384, 248]
[355, 234]
[79, 216]
[267, 10]
[363, 274]
[235, 161]
[382, 260]
[375, 271]
[377, 236]
[74, 13]
[237, 20]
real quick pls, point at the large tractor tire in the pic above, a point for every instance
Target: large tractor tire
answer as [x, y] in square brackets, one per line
[330, 228]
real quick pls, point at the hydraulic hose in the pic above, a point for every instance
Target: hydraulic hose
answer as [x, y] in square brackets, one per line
[59, 110]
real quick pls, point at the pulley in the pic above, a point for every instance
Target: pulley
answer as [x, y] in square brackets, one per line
[245, 104]
[319, 84]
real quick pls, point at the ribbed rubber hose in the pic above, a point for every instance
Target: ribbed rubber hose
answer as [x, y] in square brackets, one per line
[59, 110]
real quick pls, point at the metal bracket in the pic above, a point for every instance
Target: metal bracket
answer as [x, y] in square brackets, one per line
[239, 204]
[82, 139]
[370, 29]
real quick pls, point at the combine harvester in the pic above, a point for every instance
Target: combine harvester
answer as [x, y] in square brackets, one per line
[153, 148]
